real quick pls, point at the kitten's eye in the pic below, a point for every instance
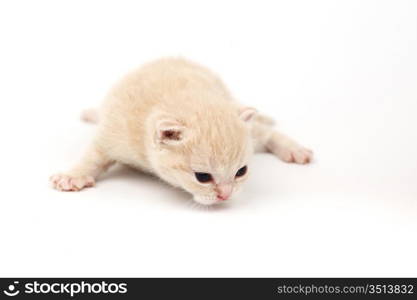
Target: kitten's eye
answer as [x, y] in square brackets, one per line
[242, 171]
[203, 177]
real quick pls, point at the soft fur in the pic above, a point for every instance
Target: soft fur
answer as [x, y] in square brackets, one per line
[174, 118]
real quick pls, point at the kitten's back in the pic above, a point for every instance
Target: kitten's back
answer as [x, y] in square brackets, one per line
[189, 92]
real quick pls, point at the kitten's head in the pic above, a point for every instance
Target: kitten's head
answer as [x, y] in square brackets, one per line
[206, 155]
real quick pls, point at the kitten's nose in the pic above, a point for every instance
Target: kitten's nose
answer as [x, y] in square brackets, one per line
[224, 191]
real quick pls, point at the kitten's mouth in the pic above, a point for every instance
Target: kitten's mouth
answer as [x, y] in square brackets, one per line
[221, 198]
[211, 200]
[208, 201]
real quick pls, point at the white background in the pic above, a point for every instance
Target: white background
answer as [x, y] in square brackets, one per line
[340, 76]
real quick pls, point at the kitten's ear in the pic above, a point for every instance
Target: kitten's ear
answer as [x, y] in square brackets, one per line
[169, 131]
[246, 114]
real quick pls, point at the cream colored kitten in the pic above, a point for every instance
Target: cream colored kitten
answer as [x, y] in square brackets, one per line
[177, 119]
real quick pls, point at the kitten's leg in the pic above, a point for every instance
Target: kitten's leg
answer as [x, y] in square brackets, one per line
[269, 140]
[83, 175]
[287, 149]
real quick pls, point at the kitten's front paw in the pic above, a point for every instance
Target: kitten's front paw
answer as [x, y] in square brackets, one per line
[68, 183]
[294, 154]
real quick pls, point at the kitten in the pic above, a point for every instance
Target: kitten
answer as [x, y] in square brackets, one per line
[176, 119]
